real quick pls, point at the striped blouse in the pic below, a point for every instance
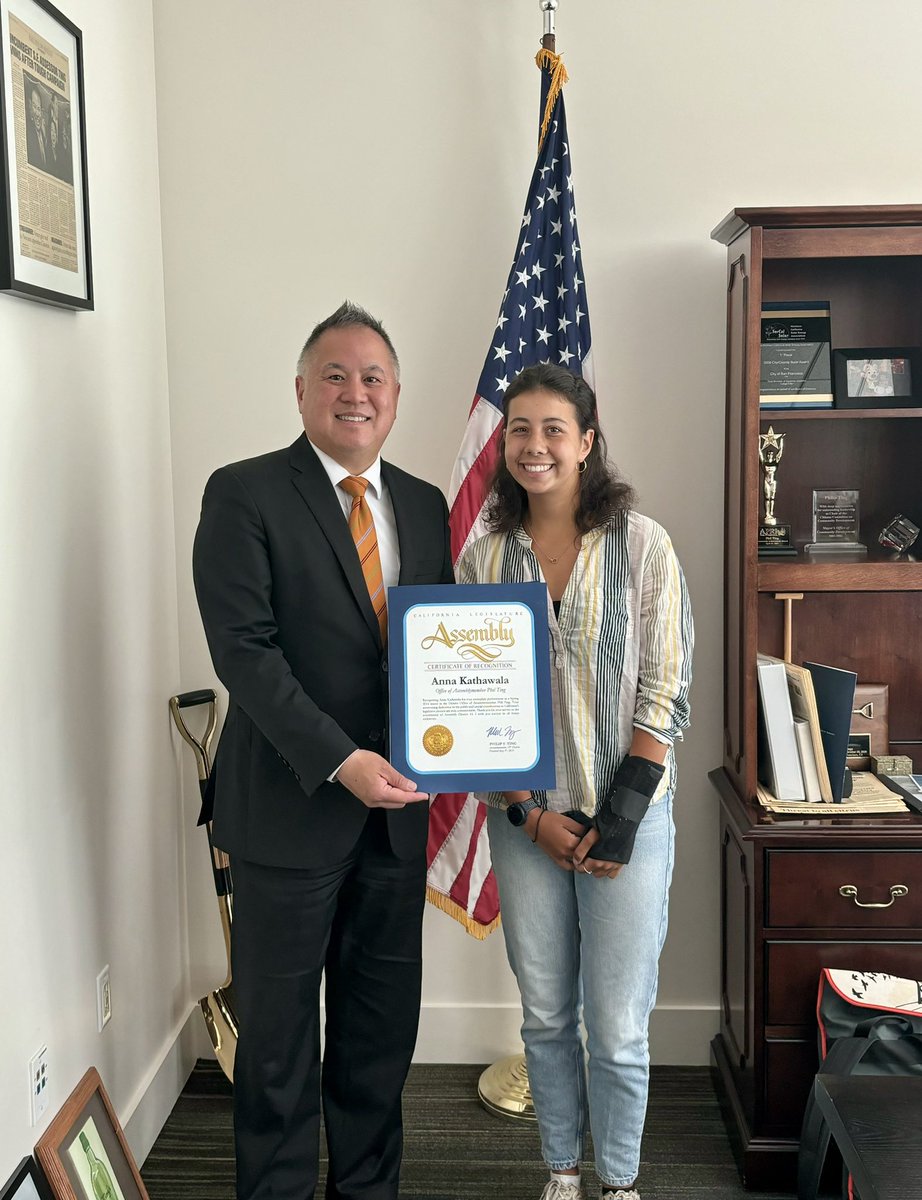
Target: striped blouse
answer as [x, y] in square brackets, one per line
[621, 649]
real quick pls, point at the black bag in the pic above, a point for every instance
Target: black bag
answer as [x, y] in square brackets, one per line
[869, 1024]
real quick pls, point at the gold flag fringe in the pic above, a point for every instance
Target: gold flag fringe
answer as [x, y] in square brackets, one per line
[559, 76]
[453, 909]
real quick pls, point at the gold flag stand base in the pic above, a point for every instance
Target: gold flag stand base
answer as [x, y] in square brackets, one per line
[503, 1089]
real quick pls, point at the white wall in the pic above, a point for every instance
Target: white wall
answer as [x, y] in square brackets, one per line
[382, 152]
[91, 865]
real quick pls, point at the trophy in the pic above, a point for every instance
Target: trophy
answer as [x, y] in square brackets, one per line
[836, 523]
[774, 538]
[899, 534]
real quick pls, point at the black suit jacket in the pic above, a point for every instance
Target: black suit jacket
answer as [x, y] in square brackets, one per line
[34, 146]
[294, 639]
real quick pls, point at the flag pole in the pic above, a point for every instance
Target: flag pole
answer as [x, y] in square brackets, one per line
[549, 41]
[503, 1088]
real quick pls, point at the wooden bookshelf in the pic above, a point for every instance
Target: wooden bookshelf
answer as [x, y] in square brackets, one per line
[782, 914]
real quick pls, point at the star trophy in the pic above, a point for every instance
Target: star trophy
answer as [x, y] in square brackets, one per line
[774, 538]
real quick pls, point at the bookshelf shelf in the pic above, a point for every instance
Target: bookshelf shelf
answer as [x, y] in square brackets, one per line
[768, 416]
[867, 573]
[860, 613]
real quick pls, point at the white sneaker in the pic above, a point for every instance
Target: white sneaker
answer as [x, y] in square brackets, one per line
[562, 1191]
[620, 1194]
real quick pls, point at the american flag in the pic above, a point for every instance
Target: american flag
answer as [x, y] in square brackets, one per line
[543, 317]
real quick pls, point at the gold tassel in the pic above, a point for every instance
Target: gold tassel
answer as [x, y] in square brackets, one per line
[554, 63]
[453, 909]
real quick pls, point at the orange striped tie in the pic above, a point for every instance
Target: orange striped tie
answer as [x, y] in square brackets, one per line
[362, 528]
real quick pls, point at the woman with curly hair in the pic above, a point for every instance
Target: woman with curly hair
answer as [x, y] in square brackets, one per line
[584, 869]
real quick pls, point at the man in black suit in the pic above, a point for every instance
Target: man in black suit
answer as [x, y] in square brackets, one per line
[327, 840]
[59, 162]
[37, 149]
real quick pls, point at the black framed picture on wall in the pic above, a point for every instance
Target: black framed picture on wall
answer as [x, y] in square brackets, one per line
[44, 210]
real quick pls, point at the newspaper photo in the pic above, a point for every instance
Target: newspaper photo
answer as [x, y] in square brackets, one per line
[42, 129]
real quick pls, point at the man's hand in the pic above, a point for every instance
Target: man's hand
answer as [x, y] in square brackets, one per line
[375, 782]
[601, 868]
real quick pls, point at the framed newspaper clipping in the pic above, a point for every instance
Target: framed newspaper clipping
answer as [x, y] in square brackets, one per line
[44, 213]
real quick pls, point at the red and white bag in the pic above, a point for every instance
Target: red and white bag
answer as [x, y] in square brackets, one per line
[869, 1024]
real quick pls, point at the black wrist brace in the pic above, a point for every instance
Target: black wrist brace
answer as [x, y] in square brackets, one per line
[622, 810]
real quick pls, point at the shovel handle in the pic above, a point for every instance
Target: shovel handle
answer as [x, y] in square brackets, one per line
[190, 699]
[221, 869]
[220, 863]
[200, 746]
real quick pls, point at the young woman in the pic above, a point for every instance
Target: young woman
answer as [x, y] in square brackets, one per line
[584, 870]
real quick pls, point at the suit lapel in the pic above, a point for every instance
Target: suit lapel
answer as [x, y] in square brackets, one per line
[318, 493]
[403, 515]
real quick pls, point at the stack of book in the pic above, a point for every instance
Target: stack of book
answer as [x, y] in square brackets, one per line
[805, 713]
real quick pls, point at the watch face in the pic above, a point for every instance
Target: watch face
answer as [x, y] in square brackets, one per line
[518, 813]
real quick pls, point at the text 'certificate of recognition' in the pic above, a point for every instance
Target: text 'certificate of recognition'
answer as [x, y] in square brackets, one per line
[470, 698]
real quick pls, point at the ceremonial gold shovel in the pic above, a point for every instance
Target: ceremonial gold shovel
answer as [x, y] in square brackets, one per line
[218, 1007]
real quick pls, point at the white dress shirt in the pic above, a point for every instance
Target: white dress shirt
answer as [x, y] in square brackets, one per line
[382, 511]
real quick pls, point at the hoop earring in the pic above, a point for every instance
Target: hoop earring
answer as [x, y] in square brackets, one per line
[582, 467]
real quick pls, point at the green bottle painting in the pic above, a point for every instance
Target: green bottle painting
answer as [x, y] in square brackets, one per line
[101, 1180]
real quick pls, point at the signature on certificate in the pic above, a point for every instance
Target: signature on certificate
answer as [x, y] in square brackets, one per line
[502, 731]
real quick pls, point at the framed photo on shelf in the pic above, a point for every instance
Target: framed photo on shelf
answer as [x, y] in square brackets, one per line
[84, 1153]
[44, 211]
[878, 377]
[26, 1183]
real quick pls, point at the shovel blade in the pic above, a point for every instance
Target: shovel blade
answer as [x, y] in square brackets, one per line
[221, 1022]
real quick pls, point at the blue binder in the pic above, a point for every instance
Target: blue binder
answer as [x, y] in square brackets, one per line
[835, 699]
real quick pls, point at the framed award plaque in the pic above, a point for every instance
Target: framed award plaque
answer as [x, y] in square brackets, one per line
[470, 686]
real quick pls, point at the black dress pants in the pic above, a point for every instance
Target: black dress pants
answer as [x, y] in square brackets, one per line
[359, 920]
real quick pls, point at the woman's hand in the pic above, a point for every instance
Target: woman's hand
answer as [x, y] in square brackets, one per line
[558, 836]
[600, 868]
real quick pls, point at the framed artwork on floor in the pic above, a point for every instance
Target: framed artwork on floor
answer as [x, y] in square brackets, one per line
[84, 1153]
[26, 1183]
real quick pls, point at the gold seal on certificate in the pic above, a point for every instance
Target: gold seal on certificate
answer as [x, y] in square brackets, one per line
[438, 740]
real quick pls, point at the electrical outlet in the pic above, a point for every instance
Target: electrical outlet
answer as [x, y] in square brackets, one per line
[38, 1083]
[103, 998]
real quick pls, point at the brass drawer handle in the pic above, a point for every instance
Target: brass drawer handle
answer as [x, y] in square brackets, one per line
[848, 890]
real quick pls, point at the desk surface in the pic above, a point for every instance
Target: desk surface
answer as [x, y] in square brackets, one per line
[877, 1124]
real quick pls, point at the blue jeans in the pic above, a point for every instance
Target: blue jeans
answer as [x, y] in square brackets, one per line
[577, 942]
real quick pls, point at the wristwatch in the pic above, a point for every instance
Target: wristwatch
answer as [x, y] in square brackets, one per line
[518, 812]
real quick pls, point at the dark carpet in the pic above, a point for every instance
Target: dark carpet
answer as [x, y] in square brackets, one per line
[455, 1149]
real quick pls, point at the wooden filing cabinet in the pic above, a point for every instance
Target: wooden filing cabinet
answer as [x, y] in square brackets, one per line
[783, 918]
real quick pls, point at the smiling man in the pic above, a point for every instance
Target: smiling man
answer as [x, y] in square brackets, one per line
[293, 556]
[36, 142]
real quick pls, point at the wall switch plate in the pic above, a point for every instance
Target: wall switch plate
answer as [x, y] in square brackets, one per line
[103, 999]
[38, 1084]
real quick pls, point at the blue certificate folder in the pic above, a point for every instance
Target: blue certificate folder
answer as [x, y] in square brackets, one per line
[470, 686]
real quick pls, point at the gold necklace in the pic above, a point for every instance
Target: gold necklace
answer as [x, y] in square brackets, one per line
[550, 558]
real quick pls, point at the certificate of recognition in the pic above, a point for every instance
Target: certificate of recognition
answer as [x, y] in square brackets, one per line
[470, 686]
